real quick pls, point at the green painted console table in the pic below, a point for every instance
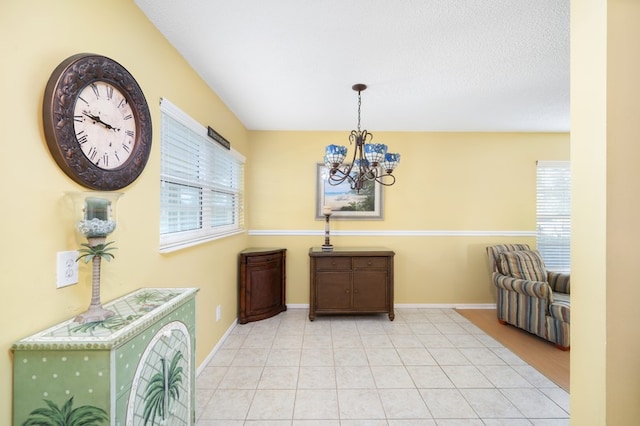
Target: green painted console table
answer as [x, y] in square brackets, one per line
[135, 368]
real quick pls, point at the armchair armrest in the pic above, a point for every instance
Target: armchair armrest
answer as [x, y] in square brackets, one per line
[559, 281]
[537, 289]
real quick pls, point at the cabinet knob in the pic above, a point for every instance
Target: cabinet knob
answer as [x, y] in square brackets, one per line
[347, 291]
[368, 263]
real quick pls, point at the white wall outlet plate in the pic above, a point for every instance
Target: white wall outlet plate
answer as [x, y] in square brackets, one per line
[67, 268]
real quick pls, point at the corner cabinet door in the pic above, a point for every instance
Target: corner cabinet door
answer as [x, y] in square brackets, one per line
[264, 284]
[161, 388]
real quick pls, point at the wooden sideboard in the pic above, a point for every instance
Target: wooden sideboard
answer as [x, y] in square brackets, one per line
[136, 367]
[262, 283]
[351, 281]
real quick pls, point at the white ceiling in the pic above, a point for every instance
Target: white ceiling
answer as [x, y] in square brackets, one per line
[431, 65]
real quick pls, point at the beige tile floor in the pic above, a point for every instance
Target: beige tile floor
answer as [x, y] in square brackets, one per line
[427, 367]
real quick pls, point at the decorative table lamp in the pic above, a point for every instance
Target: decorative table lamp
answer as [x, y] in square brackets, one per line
[95, 218]
[326, 211]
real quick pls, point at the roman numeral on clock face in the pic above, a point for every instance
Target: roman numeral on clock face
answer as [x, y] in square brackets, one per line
[92, 154]
[82, 137]
[95, 89]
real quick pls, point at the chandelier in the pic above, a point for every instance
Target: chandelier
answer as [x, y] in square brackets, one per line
[370, 162]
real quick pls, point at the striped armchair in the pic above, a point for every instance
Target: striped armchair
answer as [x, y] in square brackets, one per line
[529, 296]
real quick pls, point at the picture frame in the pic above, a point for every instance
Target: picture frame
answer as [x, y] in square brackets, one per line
[346, 203]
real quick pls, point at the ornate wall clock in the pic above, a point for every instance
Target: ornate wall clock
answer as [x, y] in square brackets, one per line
[96, 122]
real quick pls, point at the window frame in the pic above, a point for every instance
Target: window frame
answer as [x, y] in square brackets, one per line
[211, 169]
[553, 214]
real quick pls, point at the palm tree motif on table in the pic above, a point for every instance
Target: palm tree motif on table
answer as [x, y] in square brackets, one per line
[85, 415]
[113, 323]
[162, 390]
[151, 299]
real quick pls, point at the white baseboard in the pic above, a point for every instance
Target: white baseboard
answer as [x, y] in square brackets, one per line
[445, 306]
[216, 347]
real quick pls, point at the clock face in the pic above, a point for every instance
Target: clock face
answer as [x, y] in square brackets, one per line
[104, 125]
[96, 122]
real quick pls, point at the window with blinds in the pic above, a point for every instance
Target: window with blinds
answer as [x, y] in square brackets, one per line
[553, 214]
[201, 183]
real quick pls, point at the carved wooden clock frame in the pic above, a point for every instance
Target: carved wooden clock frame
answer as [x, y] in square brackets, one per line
[62, 92]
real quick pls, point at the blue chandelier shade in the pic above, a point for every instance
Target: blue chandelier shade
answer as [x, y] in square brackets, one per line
[375, 152]
[335, 154]
[390, 162]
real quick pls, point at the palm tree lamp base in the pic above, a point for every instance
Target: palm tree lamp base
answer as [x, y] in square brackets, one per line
[94, 314]
[96, 250]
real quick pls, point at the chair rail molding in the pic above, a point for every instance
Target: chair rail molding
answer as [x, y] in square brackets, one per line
[392, 233]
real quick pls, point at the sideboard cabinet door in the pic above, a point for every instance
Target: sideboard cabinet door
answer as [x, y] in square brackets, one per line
[371, 290]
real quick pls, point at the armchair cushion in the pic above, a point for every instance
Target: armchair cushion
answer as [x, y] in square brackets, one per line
[536, 289]
[560, 282]
[560, 308]
[523, 264]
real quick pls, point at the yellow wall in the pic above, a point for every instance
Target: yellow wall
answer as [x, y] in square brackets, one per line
[605, 364]
[481, 183]
[446, 182]
[623, 211]
[35, 36]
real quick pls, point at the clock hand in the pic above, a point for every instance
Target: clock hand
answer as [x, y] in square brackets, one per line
[93, 117]
[97, 119]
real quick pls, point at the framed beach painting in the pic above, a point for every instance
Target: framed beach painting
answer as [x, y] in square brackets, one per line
[347, 203]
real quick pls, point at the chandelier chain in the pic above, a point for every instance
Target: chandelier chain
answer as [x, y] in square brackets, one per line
[359, 104]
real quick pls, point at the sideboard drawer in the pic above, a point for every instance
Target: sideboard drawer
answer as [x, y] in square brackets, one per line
[333, 263]
[369, 262]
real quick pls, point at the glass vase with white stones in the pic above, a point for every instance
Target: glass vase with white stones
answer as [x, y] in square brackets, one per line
[95, 219]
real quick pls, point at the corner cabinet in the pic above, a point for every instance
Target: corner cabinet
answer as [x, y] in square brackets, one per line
[351, 281]
[262, 283]
[135, 368]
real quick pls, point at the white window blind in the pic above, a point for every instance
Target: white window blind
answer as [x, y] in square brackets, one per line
[201, 183]
[553, 214]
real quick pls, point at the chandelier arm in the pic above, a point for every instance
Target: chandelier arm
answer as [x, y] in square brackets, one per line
[336, 177]
[372, 174]
[353, 137]
[380, 180]
[366, 137]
